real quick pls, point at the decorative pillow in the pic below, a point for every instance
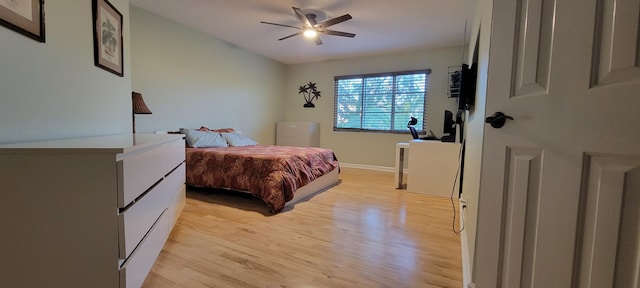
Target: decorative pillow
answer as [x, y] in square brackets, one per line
[225, 130]
[202, 139]
[235, 139]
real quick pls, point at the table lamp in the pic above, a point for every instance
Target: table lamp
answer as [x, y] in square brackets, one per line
[139, 107]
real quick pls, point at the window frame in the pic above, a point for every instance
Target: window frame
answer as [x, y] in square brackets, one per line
[427, 73]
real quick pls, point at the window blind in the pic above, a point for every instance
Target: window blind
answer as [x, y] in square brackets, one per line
[382, 102]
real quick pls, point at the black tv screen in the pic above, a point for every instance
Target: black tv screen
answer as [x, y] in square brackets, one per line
[467, 86]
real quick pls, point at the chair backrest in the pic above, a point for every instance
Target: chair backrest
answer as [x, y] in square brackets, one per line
[414, 133]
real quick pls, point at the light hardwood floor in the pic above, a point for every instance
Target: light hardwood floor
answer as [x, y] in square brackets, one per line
[360, 233]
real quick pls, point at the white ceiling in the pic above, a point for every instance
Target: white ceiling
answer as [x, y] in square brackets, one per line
[381, 26]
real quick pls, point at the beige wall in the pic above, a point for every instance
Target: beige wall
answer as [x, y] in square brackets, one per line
[190, 79]
[372, 149]
[53, 90]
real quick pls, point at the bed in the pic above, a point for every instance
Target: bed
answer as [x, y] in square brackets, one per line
[278, 175]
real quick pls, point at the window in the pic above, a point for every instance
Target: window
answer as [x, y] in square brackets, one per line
[381, 102]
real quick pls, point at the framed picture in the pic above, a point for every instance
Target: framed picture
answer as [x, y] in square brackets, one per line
[107, 37]
[24, 16]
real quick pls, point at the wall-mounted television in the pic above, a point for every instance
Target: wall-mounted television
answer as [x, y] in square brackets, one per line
[467, 97]
[469, 75]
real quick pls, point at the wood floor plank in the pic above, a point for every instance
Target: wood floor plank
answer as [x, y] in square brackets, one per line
[360, 233]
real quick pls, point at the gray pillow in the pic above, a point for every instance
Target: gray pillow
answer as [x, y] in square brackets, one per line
[202, 139]
[235, 139]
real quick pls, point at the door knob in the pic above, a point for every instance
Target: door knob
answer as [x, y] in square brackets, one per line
[497, 120]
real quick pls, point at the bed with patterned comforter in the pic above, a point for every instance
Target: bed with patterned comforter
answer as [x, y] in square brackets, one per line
[271, 173]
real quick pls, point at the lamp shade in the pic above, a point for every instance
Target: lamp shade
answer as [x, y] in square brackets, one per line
[139, 107]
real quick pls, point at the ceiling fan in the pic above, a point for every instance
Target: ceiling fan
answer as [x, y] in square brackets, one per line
[311, 28]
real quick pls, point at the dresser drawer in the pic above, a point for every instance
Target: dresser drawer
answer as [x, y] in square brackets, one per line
[175, 154]
[135, 269]
[176, 179]
[138, 172]
[134, 222]
[177, 204]
[178, 194]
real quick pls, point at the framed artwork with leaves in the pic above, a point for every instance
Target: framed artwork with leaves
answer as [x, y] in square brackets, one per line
[107, 37]
[24, 16]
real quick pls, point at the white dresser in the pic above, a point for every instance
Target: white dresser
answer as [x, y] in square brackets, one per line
[89, 212]
[302, 134]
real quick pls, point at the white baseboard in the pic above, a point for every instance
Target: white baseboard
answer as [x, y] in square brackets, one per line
[370, 167]
[464, 248]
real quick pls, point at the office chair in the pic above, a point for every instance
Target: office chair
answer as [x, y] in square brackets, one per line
[412, 122]
[414, 133]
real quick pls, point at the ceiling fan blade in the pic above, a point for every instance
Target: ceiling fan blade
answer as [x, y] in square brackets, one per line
[333, 21]
[294, 34]
[317, 40]
[303, 18]
[283, 25]
[337, 33]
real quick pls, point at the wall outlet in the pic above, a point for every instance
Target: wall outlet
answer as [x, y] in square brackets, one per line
[463, 202]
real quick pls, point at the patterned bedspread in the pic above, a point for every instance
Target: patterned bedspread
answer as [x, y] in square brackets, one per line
[271, 173]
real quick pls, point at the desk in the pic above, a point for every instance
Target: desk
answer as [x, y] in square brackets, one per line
[400, 148]
[433, 167]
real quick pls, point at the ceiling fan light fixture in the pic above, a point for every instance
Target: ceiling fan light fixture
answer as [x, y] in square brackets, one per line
[310, 33]
[311, 28]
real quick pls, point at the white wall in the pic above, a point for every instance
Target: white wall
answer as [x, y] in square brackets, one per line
[53, 90]
[375, 149]
[190, 79]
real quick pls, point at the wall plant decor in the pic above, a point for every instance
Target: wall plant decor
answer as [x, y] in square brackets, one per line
[310, 93]
[24, 16]
[107, 37]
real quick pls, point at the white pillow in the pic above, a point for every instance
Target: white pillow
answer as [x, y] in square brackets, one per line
[235, 139]
[202, 139]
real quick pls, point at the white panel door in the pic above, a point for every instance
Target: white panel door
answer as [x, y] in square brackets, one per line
[560, 189]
